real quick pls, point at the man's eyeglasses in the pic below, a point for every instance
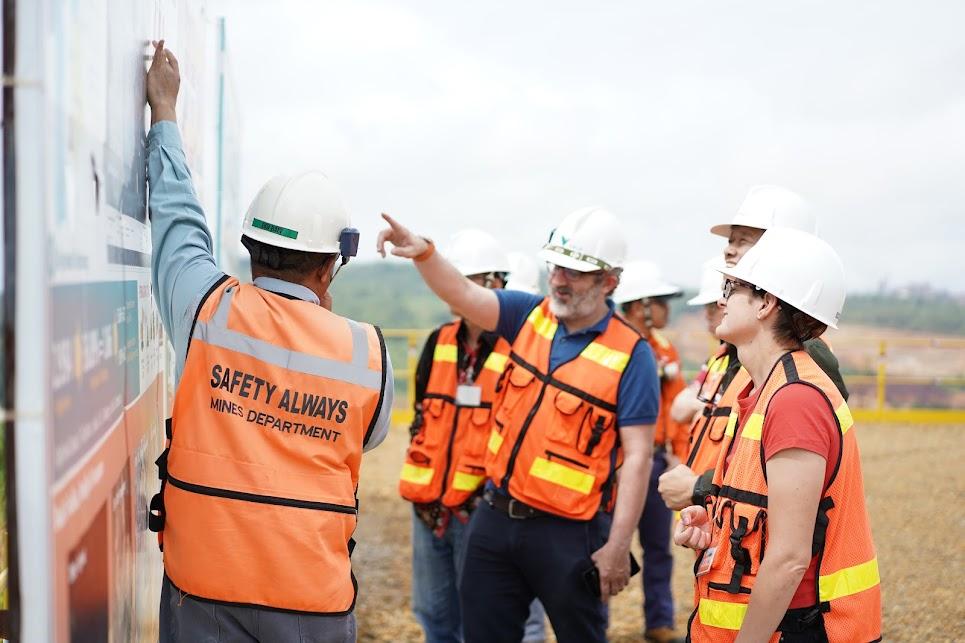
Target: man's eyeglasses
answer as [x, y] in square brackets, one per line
[569, 273]
[730, 284]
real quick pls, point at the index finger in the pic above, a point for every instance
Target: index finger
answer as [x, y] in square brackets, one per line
[158, 51]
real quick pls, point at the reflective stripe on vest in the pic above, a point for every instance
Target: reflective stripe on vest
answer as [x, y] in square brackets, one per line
[845, 582]
[848, 586]
[708, 428]
[554, 441]
[444, 461]
[274, 405]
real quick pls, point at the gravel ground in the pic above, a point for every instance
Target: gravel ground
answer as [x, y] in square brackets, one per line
[921, 551]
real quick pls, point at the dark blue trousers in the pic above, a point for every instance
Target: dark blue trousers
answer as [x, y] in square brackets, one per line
[508, 562]
[657, 561]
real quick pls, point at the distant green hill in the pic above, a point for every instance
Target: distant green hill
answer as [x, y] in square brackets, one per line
[388, 294]
[392, 295]
[925, 311]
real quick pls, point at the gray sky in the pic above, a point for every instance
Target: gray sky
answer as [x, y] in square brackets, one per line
[506, 116]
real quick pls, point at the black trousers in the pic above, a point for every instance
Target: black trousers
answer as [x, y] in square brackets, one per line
[508, 562]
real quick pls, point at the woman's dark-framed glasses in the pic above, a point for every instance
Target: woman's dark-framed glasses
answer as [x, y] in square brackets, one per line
[730, 284]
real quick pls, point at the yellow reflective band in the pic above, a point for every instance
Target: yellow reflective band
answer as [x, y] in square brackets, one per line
[720, 364]
[495, 441]
[416, 475]
[607, 357]
[660, 339]
[753, 427]
[731, 424]
[728, 616]
[562, 475]
[844, 417]
[496, 362]
[543, 326]
[466, 481]
[445, 353]
[849, 580]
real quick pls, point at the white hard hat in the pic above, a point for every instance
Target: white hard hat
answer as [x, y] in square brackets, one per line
[798, 268]
[587, 240]
[642, 279]
[302, 211]
[710, 281]
[771, 206]
[474, 252]
[523, 273]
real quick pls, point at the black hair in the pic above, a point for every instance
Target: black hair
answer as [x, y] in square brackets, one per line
[283, 261]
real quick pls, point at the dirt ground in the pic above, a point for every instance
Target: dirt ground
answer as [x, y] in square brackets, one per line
[914, 480]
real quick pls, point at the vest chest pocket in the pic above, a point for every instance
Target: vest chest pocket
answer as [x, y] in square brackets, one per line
[578, 424]
[511, 388]
[478, 433]
[434, 427]
[743, 532]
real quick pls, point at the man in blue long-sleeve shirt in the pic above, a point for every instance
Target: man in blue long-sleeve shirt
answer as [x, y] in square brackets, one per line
[277, 398]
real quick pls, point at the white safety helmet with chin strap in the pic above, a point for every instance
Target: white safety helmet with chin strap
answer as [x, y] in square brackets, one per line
[587, 240]
[302, 211]
[523, 273]
[798, 268]
[642, 280]
[771, 206]
[710, 283]
[474, 252]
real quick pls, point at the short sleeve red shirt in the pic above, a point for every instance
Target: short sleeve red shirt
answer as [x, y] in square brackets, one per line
[798, 417]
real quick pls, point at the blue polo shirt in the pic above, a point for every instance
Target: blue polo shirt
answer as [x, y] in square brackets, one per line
[638, 399]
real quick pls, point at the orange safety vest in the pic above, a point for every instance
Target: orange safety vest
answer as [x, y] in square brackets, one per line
[720, 398]
[444, 462]
[848, 585]
[667, 432]
[258, 499]
[554, 443]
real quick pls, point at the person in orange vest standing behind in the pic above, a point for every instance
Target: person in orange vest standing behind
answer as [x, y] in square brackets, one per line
[277, 399]
[765, 207]
[576, 403]
[442, 476]
[691, 401]
[643, 296]
[789, 478]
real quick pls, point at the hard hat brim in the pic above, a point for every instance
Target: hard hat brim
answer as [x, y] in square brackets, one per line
[289, 244]
[564, 261]
[702, 299]
[736, 273]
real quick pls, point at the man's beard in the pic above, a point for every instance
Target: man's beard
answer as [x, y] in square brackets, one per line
[579, 306]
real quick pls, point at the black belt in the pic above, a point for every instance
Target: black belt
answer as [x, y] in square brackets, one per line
[513, 508]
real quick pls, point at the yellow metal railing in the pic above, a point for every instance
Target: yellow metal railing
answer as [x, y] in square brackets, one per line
[879, 410]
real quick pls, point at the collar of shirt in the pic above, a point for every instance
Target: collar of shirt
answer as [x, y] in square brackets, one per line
[286, 289]
[595, 329]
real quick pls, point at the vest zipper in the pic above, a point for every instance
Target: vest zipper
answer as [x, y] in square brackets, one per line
[452, 439]
[522, 434]
[252, 497]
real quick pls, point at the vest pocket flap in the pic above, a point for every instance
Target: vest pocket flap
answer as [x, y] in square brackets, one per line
[567, 403]
[480, 416]
[520, 377]
[432, 406]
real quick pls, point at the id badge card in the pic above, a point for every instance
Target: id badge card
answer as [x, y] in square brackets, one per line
[706, 561]
[468, 395]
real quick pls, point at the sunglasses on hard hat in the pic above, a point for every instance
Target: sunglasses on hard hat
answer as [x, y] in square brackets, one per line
[730, 284]
[569, 273]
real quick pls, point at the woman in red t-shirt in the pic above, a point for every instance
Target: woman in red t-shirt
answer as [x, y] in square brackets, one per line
[800, 441]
